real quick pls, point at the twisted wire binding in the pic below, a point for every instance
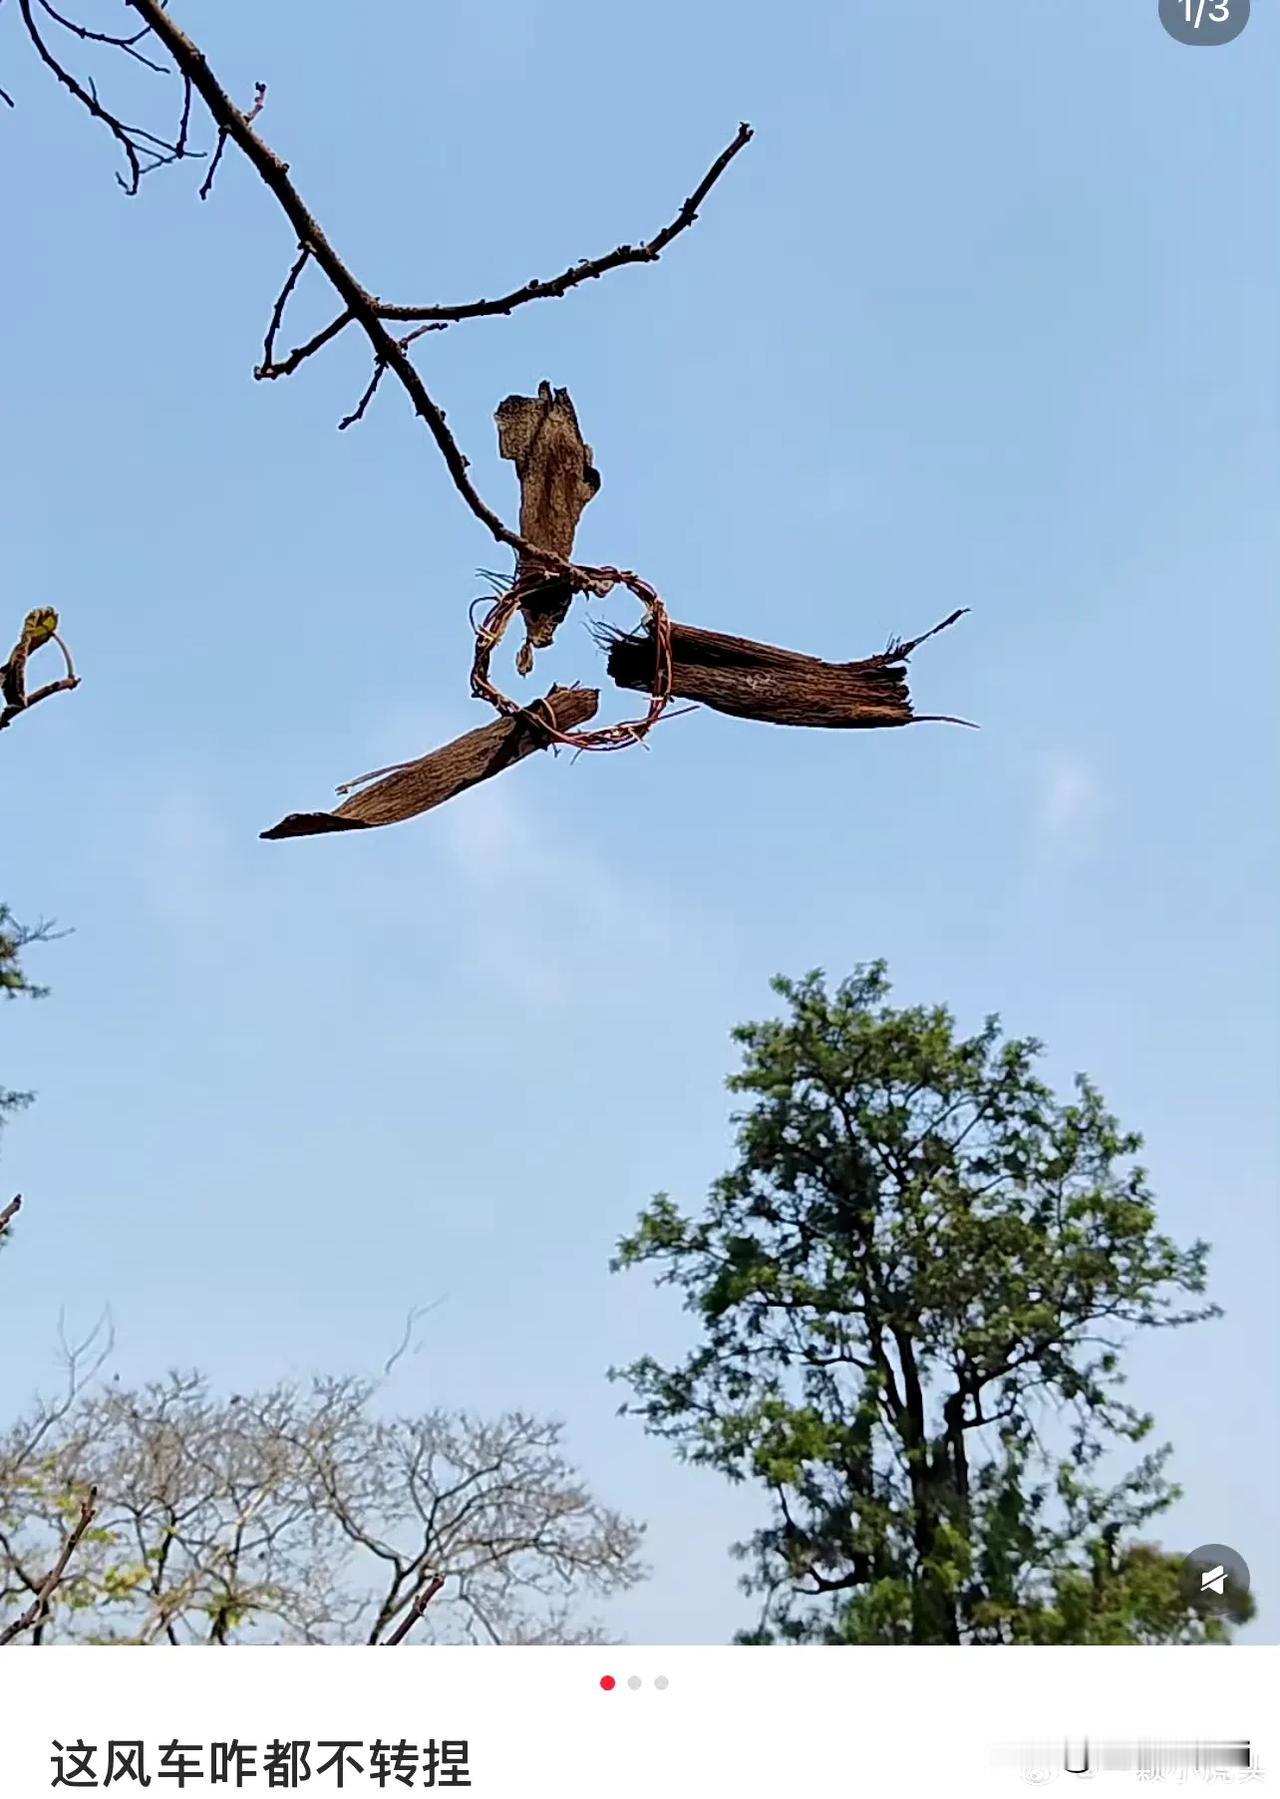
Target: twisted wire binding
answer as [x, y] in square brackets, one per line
[598, 582]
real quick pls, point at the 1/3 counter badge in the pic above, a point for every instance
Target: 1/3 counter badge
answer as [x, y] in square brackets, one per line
[1204, 21]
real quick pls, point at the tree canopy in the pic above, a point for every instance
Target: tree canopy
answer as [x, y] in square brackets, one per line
[912, 1293]
[299, 1514]
[303, 1513]
[15, 983]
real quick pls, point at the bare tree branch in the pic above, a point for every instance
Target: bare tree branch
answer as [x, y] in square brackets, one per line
[505, 304]
[356, 299]
[282, 300]
[270, 371]
[127, 44]
[586, 270]
[37, 1612]
[421, 1600]
[39, 627]
[10, 1212]
[362, 405]
[301, 1514]
[143, 151]
[541, 435]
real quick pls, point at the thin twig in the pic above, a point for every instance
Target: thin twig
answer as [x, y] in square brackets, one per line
[105, 37]
[359, 306]
[184, 123]
[406, 1337]
[87, 99]
[206, 186]
[363, 306]
[259, 101]
[355, 298]
[277, 311]
[431, 1585]
[353, 418]
[10, 1212]
[590, 270]
[413, 336]
[134, 142]
[38, 1611]
[270, 371]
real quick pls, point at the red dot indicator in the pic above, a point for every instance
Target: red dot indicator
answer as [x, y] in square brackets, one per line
[608, 1682]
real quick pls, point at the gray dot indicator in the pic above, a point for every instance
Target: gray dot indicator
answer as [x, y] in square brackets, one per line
[1215, 1580]
[662, 1683]
[635, 1683]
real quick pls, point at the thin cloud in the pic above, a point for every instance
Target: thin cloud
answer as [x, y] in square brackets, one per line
[1072, 804]
[542, 918]
[184, 856]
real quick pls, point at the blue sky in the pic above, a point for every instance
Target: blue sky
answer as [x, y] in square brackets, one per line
[984, 317]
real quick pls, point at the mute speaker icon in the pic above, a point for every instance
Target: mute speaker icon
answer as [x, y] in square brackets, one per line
[1214, 1581]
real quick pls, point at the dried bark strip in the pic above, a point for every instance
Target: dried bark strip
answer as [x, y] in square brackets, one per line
[775, 686]
[416, 787]
[558, 478]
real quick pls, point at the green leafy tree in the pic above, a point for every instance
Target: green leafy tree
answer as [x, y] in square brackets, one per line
[912, 1292]
[14, 938]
